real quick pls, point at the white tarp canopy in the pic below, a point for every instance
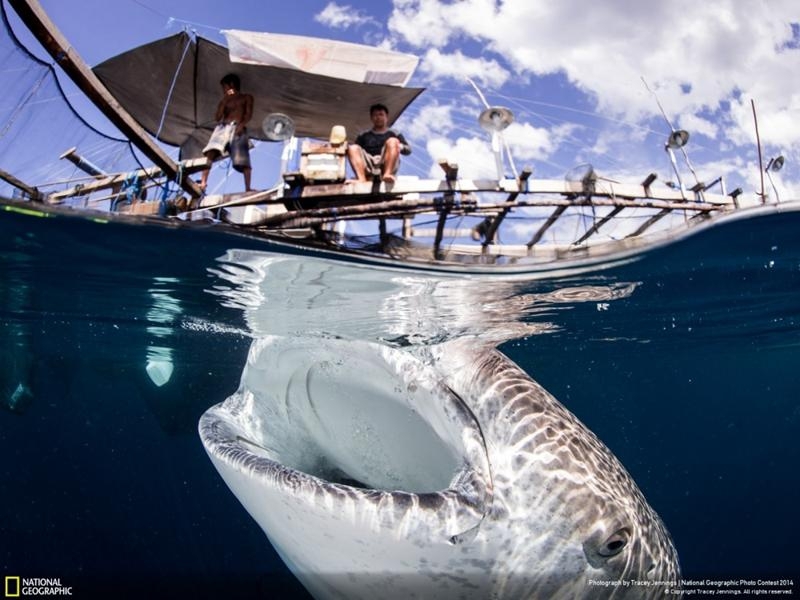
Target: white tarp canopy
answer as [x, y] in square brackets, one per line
[343, 60]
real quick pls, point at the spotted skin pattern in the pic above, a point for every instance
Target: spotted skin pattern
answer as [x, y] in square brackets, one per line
[538, 508]
[579, 519]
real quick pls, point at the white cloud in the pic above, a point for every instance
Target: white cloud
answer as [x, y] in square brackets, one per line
[456, 65]
[433, 23]
[777, 121]
[614, 137]
[705, 61]
[432, 119]
[697, 124]
[473, 156]
[342, 17]
[528, 143]
[691, 52]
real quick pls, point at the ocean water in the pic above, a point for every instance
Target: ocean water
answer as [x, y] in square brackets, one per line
[684, 362]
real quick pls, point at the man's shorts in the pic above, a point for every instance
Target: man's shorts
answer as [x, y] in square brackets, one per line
[374, 162]
[225, 141]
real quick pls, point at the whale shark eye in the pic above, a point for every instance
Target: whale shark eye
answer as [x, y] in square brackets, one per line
[615, 543]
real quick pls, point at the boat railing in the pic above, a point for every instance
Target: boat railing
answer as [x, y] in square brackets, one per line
[487, 205]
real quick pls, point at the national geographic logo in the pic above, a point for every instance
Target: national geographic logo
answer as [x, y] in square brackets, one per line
[16, 586]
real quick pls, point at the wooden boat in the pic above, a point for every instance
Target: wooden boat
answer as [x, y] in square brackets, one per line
[513, 223]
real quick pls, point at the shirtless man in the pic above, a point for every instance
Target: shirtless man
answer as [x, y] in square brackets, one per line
[378, 147]
[230, 135]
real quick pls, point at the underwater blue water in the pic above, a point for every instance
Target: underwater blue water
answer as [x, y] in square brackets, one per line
[685, 363]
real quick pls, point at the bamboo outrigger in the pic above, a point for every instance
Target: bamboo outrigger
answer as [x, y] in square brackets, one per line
[307, 211]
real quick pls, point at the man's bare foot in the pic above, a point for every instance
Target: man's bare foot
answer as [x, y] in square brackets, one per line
[356, 181]
[388, 178]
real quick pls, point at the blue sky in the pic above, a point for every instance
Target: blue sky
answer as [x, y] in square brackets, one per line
[570, 70]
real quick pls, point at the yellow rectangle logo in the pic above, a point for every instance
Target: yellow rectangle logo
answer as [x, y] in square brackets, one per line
[12, 587]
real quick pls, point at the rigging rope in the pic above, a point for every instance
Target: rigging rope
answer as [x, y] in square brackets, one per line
[22, 104]
[189, 41]
[30, 55]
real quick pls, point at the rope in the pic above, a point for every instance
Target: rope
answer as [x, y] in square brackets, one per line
[18, 43]
[22, 104]
[189, 41]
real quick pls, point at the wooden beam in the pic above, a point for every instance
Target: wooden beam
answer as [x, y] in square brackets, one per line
[450, 169]
[552, 219]
[648, 182]
[652, 220]
[114, 179]
[431, 232]
[366, 210]
[37, 21]
[337, 195]
[560, 187]
[407, 226]
[21, 185]
[599, 224]
[296, 222]
[437, 240]
[491, 231]
[105, 182]
[607, 201]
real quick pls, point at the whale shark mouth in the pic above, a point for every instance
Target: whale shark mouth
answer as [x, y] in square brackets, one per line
[368, 467]
[335, 447]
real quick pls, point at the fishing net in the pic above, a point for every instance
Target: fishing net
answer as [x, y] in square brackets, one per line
[42, 118]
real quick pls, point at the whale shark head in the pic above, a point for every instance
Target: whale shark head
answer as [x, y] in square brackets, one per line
[573, 507]
[381, 472]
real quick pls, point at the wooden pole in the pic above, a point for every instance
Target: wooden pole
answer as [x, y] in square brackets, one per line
[30, 190]
[365, 210]
[37, 21]
[491, 231]
[551, 219]
[760, 159]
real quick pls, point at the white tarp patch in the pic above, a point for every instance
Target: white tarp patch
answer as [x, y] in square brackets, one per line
[344, 60]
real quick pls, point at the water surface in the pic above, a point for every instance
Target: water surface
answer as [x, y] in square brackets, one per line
[684, 363]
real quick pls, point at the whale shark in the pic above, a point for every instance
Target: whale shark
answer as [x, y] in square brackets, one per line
[440, 471]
